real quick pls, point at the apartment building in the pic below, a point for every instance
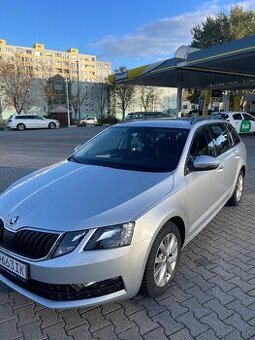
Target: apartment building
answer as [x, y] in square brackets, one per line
[46, 63]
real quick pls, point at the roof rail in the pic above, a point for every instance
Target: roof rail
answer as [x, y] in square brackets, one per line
[201, 118]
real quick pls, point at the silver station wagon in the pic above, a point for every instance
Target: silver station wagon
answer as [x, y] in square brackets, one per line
[111, 220]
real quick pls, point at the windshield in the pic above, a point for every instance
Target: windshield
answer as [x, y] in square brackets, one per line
[135, 148]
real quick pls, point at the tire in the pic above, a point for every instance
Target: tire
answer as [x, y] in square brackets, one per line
[21, 127]
[52, 125]
[152, 285]
[235, 199]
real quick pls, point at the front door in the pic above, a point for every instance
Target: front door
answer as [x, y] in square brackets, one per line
[205, 187]
[236, 121]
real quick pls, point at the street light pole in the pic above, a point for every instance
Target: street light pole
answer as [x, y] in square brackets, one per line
[67, 103]
[78, 90]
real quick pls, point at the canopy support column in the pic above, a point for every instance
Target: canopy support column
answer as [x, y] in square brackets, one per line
[179, 99]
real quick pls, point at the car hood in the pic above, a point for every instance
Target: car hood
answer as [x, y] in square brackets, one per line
[71, 196]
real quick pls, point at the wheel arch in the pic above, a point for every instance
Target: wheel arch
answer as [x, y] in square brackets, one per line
[243, 169]
[52, 122]
[181, 226]
[19, 124]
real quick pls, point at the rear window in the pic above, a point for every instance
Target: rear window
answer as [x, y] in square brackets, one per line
[237, 116]
[234, 134]
[221, 138]
[247, 117]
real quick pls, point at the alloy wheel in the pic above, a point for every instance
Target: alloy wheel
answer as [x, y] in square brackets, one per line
[165, 260]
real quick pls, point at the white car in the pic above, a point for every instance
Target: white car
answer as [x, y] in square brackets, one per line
[22, 122]
[243, 122]
[89, 121]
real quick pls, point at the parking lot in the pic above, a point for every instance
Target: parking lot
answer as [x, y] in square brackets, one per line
[213, 293]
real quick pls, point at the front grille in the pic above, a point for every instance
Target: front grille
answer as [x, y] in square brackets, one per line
[68, 292]
[28, 243]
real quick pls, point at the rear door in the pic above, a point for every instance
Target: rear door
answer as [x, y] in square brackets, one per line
[227, 155]
[236, 121]
[28, 121]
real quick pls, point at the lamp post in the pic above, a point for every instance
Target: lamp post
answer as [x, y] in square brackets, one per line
[78, 90]
[1, 107]
[67, 103]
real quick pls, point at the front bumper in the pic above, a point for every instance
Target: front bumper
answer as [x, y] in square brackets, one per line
[115, 273]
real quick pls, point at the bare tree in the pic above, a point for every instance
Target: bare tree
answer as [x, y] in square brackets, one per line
[16, 78]
[148, 97]
[124, 93]
[101, 95]
[55, 92]
[77, 96]
[145, 96]
[3, 102]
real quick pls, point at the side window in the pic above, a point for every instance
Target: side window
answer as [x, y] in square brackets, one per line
[221, 138]
[247, 117]
[234, 134]
[237, 116]
[225, 116]
[202, 144]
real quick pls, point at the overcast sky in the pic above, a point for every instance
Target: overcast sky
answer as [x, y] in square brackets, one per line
[133, 32]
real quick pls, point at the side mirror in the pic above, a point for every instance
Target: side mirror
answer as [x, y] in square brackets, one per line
[77, 148]
[204, 163]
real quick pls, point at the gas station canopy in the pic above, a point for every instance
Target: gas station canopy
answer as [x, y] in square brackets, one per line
[225, 66]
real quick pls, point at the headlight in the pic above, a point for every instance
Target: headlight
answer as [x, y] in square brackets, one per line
[69, 242]
[111, 237]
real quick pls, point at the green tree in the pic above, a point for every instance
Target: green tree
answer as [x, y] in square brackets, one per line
[219, 29]
[241, 22]
[223, 28]
[214, 30]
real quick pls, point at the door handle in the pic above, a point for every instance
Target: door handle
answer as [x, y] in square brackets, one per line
[220, 168]
[237, 156]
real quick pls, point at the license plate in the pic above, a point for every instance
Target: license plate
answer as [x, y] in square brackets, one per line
[12, 265]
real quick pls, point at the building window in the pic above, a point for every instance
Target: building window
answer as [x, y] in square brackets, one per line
[58, 87]
[27, 59]
[48, 54]
[38, 53]
[59, 55]
[9, 49]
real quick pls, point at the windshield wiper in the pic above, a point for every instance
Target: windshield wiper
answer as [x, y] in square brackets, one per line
[73, 159]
